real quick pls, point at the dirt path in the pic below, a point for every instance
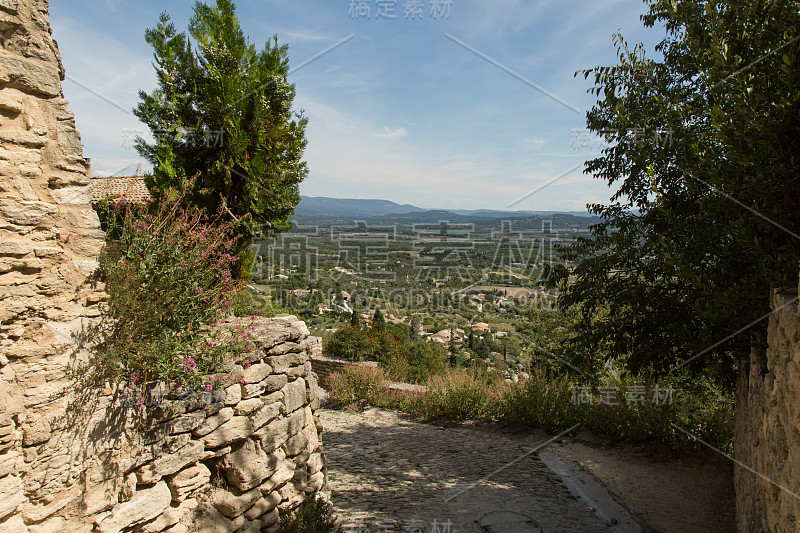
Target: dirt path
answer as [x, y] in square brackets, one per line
[691, 494]
[389, 473]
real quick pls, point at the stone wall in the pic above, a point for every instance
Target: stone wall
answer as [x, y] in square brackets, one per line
[767, 441]
[324, 366]
[49, 241]
[77, 460]
[225, 460]
[228, 460]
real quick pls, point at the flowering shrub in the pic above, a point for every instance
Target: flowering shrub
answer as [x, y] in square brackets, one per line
[455, 395]
[545, 401]
[358, 383]
[542, 399]
[168, 276]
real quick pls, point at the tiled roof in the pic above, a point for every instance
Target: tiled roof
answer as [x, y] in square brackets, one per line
[131, 188]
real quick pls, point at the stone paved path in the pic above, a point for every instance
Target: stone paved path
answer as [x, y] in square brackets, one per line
[393, 474]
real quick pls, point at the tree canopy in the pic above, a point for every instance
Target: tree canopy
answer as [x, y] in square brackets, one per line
[378, 321]
[703, 149]
[226, 137]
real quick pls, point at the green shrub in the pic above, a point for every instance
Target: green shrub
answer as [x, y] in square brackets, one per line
[168, 277]
[546, 401]
[350, 343]
[424, 359]
[315, 516]
[453, 396]
[403, 359]
[358, 383]
[248, 303]
[542, 400]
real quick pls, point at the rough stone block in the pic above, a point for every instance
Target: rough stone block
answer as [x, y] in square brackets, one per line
[237, 428]
[233, 394]
[294, 395]
[213, 422]
[30, 74]
[247, 465]
[270, 519]
[170, 517]
[313, 345]
[57, 524]
[279, 431]
[187, 481]
[246, 407]
[263, 506]
[253, 390]
[315, 463]
[8, 463]
[187, 422]
[210, 520]
[232, 504]
[266, 414]
[296, 371]
[250, 526]
[11, 495]
[38, 513]
[256, 373]
[145, 505]
[282, 363]
[296, 444]
[315, 482]
[284, 473]
[171, 463]
[26, 212]
[14, 524]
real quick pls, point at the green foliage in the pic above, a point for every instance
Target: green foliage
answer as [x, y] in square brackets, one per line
[541, 400]
[453, 396]
[703, 155]
[378, 322]
[248, 303]
[226, 137]
[168, 278]
[358, 383]
[425, 359]
[404, 360]
[315, 516]
[351, 343]
[546, 401]
[354, 321]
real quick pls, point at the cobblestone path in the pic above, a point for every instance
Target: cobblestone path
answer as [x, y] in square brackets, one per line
[388, 473]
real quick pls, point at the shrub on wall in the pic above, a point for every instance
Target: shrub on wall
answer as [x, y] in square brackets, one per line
[403, 359]
[425, 359]
[351, 343]
[168, 275]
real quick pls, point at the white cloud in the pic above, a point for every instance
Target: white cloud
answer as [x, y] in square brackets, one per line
[388, 132]
[534, 142]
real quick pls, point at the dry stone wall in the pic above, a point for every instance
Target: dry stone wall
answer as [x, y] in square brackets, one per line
[78, 460]
[325, 366]
[767, 440]
[227, 460]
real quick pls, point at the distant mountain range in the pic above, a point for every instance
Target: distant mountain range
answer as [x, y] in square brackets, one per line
[320, 207]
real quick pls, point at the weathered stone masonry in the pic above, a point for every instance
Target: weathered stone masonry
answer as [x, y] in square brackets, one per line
[767, 440]
[73, 460]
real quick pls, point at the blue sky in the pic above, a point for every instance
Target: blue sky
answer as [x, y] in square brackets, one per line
[428, 110]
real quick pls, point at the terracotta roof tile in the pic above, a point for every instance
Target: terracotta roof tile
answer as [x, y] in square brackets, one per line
[132, 188]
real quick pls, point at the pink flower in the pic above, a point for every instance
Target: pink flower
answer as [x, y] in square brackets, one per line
[209, 387]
